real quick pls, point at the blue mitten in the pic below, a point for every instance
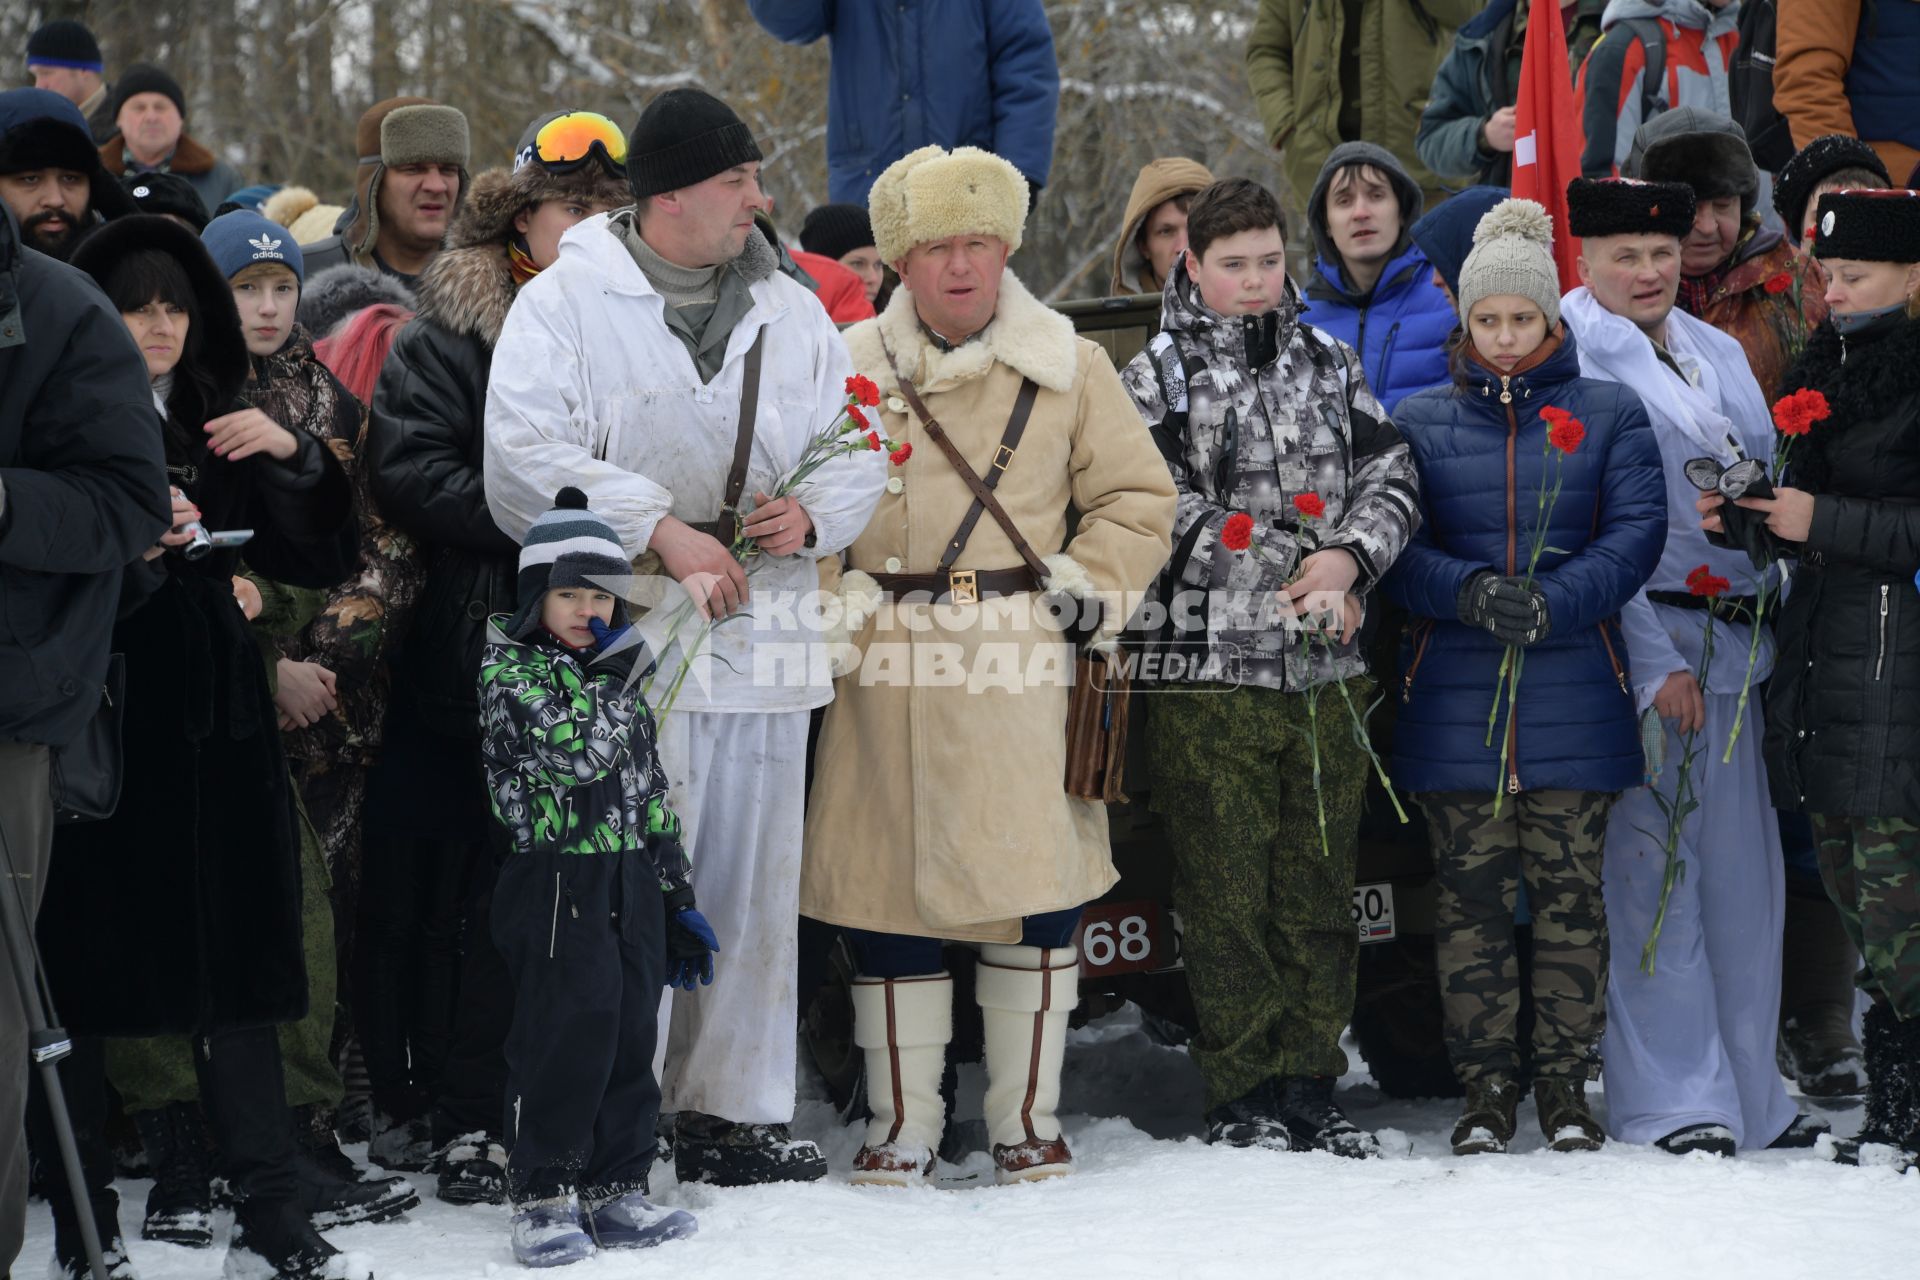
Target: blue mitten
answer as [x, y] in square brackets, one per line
[691, 946]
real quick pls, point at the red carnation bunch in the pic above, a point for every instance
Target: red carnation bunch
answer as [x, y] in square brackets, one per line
[1237, 533]
[1795, 415]
[1704, 582]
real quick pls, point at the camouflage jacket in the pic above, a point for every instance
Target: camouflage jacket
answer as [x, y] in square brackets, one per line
[355, 628]
[572, 761]
[1251, 413]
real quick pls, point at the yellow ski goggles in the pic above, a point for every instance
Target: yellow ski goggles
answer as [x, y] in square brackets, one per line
[566, 141]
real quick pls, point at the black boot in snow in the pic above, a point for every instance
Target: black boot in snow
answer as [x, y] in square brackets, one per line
[274, 1240]
[180, 1206]
[1564, 1117]
[1708, 1139]
[1315, 1121]
[1489, 1118]
[473, 1170]
[724, 1154]
[1890, 1130]
[335, 1201]
[1250, 1120]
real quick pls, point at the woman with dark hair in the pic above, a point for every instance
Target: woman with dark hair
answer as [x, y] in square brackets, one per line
[180, 914]
[1843, 732]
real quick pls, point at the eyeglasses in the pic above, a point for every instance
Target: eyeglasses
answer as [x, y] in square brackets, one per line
[567, 142]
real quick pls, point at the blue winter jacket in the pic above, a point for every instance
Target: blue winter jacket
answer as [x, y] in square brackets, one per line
[1880, 74]
[951, 73]
[1481, 472]
[1400, 331]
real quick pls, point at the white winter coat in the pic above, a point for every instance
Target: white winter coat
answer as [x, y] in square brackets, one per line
[589, 387]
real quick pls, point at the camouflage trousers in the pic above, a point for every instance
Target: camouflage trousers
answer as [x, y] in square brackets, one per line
[1871, 867]
[1266, 914]
[1554, 839]
[151, 1072]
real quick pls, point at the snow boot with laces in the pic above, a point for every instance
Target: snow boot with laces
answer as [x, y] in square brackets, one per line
[1564, 1117]
[1026, 995]
[903, 1025]
[180, 1206]
[722, 1153]
[1250, 1120]
[275, 1240]
[1315, 1120]
[1489, 1118]
[473, 1170]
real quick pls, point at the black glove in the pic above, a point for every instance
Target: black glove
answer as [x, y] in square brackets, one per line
[1512, 612]
[691, 942]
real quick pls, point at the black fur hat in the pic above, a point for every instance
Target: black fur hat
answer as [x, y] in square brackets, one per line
[1628, 207]
[1704, 149]
[1872, 226]
[1812, 165]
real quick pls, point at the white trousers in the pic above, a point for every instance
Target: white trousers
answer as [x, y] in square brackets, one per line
[739, 785]
[1693, 1043]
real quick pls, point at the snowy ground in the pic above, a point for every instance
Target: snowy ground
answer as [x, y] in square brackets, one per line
[1152, 1201]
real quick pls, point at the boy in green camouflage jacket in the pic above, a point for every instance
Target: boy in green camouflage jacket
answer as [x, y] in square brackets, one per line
[593, 911]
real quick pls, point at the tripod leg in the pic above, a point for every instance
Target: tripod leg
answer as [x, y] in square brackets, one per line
[26, 812]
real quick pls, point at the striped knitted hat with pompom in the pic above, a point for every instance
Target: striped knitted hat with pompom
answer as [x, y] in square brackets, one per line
[569, 546]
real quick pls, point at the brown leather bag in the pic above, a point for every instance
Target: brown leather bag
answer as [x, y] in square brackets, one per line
[1102, 686]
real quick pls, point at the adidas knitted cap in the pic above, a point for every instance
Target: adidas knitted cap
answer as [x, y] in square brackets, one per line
[243, 238]
[1512, 254]
[569, 546]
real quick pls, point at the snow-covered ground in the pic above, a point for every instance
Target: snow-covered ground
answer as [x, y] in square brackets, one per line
[1152, 1201]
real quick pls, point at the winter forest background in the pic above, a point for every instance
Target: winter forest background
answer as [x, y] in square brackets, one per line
[276, 86]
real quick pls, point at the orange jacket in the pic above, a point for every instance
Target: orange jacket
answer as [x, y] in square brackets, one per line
[1813, 49]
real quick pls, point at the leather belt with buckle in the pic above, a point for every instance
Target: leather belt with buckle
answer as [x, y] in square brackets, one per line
[959, 586]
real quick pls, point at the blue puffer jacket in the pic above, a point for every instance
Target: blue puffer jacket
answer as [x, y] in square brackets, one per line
[951, 73]
[1481, 471]
[1400, 331]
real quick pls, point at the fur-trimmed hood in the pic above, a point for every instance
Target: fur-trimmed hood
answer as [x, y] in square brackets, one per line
[468, 287]
[1863, 381]
[1025, 334]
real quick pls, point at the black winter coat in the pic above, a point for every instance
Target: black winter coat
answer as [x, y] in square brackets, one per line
[83, 489]
[181, 912]
[425, 443]
[1843, 708]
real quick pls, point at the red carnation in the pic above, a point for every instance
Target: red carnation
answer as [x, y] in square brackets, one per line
[1237, 533]
[1566, 431]
[873, 441]
[901, 454]
[1704, 582]
[1309, 505]
[1795, 415]
[863, 390]
[1780, 283]
[856, 417]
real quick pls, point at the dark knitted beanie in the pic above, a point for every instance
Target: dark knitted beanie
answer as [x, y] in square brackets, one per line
[685, 136]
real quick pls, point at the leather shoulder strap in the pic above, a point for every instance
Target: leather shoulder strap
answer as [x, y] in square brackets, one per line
[742, 443]
[983, 495]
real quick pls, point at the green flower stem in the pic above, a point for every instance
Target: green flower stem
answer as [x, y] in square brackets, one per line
[1753, 658]
[1677, 810]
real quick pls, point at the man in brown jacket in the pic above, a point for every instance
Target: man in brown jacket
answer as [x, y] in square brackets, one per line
[938, 810]
[1154, 232]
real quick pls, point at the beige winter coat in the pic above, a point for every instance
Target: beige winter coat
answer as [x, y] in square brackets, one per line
[1160, 181]
[938, 809]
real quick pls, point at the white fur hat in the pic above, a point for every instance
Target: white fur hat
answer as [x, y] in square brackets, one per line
[931, 194]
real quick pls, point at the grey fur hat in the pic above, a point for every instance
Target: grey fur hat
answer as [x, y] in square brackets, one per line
[336, 293]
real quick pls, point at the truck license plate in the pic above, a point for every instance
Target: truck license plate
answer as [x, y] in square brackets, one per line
[1127, 937]
[1373, 912]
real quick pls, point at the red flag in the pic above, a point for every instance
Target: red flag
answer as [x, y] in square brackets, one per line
[1546, 134]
